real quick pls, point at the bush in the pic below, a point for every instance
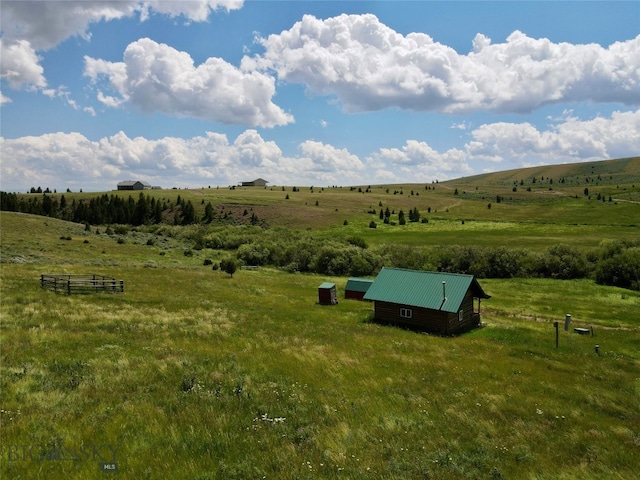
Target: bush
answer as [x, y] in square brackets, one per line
[620, 270]
[358, 242]
[504, 263]
[372, 224]
[253, 254]
[229, 265]
[562, 262]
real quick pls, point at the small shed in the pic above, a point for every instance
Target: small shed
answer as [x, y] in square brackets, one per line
[327, 294]
[443, 303]
[357, 287]
[258, 182]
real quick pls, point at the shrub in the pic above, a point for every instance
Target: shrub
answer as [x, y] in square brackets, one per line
[620, 270]
[229, 265]
[504, 263]
[562, 262]
[207, 261]
[357, 241]
[373, 224]
[253, 254]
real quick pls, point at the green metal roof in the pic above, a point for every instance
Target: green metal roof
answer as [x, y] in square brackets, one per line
[423, 289]
[358, 284]
[325, 285]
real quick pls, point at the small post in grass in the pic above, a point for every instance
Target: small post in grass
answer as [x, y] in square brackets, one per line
[555, 324]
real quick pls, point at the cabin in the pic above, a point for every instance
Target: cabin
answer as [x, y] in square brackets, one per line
[327, 294]
[436, 302]
[258, 182]
[133, 185]
[356, 288]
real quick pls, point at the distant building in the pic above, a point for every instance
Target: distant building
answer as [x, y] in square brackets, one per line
[134, 185]
[258, 182]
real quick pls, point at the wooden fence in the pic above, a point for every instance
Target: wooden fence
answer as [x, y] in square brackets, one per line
[81, 283]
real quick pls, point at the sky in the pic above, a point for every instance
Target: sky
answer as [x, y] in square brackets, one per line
[191, 94]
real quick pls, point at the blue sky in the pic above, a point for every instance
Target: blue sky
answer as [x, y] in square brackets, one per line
[214, 92]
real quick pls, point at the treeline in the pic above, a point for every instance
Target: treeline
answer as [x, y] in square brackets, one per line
[114, 209]
[615, 263]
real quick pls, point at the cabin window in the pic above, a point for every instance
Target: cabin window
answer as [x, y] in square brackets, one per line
[460, 315]
[406, 313]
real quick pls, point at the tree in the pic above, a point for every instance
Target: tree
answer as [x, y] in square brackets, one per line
[208, 213]
[228, 265]
[188, 213]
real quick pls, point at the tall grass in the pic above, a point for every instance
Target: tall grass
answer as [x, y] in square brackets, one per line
[193, 374]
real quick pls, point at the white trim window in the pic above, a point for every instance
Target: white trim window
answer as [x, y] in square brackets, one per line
[406, 313]
[460, 315]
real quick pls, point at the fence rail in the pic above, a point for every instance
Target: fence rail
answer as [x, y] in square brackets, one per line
[81, 283]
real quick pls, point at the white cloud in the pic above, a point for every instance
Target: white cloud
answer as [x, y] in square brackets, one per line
[59, 160]
[4, 99]
[155, 77]
[369, 66]
[45, 24]
[29, 26]
[326, 158]
[573, 140]
[197, 11]
[20, 65]
[417, 161]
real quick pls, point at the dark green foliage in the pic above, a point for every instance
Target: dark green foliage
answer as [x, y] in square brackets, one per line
[209, 213]
[357, 241]
[620, 265]
[229, 265]
[372, 224]
[563, 262]
[188, 213]
[253, 254]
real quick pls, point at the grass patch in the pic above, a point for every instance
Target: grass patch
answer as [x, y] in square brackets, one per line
[193, 374]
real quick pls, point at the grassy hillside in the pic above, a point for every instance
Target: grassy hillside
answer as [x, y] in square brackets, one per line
[535, 215]
[192, 373]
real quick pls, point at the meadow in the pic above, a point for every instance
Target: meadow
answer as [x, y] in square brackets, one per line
[193, 373]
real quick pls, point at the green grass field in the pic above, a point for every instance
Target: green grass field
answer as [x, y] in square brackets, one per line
[195, 374]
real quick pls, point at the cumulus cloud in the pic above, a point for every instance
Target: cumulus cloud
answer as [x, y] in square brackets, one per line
[513, 145]
[63, 159]
[369, 66]
[155, 77]
[572, 140]
[28, 26]
[20, 65]
[420, 162]
[54, 159]
[45, 24]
